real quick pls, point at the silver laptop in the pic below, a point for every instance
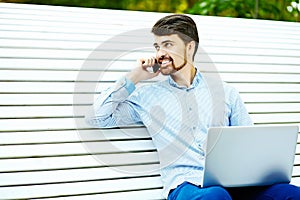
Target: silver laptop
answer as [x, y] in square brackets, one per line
[250, 156]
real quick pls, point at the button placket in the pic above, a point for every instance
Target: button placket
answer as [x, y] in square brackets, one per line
[192, 111]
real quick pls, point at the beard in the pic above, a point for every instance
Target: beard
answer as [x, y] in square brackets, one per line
[173, 69]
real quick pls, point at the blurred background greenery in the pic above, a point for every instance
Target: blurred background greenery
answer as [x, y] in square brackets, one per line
[283, 10]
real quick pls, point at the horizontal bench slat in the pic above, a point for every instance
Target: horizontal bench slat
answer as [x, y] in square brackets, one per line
[39, 150]
[248, 51]
[256, 68]
[108, 54]
[41, 111]
[278, 123]
[76, 19]
[264, 78]
[298, 149]
[34, 43]
[272, 97]
[45, 64]
[55, 25]
[295, 181]
[75, 175]
[101, 35]
[50, 87]
[78, 162]
[80, 188]
[273, 118]
[41, 99]
[297, 156]
[273, 107]
[150, 194]
[42, 124]
[243, 44]
[44, 53]
[29, 75]
[73, 136]
[296, 173]
[267, 87]
[253, 59]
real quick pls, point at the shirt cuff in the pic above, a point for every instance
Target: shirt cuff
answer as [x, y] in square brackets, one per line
[125, 83]
[129, 86]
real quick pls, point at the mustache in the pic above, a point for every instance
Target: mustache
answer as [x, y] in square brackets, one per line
[161, 58]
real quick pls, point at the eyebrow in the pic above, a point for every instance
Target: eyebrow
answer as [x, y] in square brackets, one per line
[165, 41]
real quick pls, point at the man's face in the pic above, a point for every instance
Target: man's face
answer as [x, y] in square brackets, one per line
[170, 53]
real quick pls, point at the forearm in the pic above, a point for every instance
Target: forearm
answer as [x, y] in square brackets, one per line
[104, 110]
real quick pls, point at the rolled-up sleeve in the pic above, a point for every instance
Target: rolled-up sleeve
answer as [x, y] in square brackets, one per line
[112, 107]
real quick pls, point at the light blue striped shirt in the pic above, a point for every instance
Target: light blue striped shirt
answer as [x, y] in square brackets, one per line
[176, 117]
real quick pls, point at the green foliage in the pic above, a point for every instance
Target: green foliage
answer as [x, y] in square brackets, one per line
[261, 9]
[229, 8]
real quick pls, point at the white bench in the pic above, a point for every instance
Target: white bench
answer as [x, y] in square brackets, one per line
[43, 152]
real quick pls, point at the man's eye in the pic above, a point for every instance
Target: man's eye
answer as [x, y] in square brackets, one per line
[156, 47]
[168, 45]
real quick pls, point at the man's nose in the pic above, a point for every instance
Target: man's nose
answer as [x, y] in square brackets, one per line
[161, 53]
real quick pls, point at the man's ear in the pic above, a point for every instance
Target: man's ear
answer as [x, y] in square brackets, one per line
[191, 47]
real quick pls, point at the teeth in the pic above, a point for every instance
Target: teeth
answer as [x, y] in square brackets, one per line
[165, 61]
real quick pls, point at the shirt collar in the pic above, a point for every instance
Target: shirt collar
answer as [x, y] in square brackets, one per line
[195, 83]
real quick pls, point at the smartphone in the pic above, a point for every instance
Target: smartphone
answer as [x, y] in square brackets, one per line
[156, 66]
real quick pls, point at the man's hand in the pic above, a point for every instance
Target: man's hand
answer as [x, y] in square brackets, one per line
[140, 72]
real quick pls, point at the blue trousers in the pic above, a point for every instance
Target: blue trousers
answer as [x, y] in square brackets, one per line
[188, 191]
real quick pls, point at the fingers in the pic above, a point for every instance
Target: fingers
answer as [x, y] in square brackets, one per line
[143, 70]
[147, 62]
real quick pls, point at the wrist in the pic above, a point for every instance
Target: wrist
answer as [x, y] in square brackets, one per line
[132, 77]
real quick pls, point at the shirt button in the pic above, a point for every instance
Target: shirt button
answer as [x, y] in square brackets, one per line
[194, 127]
[190, 109]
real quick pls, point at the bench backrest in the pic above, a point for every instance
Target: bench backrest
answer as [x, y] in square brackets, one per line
[43, 152]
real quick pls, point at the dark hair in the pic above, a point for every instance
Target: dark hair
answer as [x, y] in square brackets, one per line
[182, 25]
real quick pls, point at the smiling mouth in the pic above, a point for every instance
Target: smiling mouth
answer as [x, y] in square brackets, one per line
[163, 61]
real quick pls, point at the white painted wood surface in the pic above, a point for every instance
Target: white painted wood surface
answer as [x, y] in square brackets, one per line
[43, 49]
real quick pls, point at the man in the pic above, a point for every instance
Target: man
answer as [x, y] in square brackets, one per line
[178, 112]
